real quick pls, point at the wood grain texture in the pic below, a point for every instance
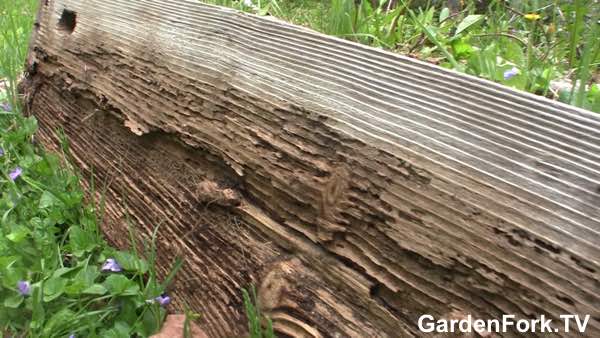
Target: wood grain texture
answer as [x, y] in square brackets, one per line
[357, 188]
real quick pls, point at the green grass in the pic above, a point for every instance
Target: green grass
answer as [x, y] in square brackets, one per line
[52, 253]
[255, 317]
[553, 45]
[16, 19]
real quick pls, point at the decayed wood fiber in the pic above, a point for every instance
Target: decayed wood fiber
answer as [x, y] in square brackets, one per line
[356, 188]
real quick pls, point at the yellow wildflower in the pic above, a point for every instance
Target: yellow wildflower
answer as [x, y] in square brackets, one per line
[532, 16]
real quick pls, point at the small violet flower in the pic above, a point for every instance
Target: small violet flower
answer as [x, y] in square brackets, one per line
[111, 265]
[1, 152]
[6, 107]
[163, 300]
[72, 336]
[24, 288]
[510, 73]
[15, 173]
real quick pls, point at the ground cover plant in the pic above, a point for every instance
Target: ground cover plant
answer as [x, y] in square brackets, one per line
[58, 276]
[549, 48]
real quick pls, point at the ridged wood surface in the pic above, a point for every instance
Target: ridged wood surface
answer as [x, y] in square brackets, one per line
[357, 188]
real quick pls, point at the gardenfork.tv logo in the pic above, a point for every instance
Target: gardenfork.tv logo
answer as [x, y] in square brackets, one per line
[568, 323]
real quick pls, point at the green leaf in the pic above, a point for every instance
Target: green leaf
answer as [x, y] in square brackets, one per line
[594, 90]
[63, 271]
[265, 10]
[47, 200]
[129, 262]
[564, 96]
[13, 301]
[444, 14]
[128, 310]
[38, 312]
[462, 49]
[513, 52]
[54, 288]
[120, 330]
[76, 287]
[81, 241]
[96, 289]
[60, 320]
[9, 276]
[18, 235]
[467, 22]
[121, 285]
[593, 98]
[88, 275]
[150, 322]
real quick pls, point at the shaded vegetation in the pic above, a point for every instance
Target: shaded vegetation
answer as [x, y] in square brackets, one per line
[58, 276]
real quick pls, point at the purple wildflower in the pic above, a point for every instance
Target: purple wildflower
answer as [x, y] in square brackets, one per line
[72, 336]
[510, 73]
[111, 265]
[6, 107]
[163, 300]
[24, 287]
[1, 152]
[15, 173]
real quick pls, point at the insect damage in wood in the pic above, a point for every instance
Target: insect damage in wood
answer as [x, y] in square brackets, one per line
[209, 192]
[332, 199]
[357, 189]
[67, 21]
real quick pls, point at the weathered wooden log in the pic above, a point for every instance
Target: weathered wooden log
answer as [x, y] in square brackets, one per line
[358, 189]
